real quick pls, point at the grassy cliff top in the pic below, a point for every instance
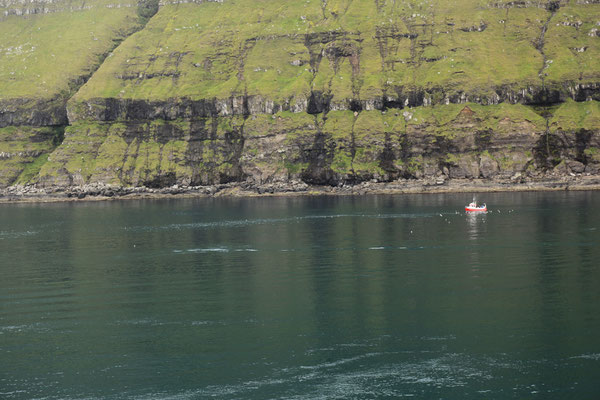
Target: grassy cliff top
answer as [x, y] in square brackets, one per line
[357, 49]
[27, 8]
[45, 55]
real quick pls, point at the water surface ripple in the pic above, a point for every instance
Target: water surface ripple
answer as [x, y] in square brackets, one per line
[302, 298]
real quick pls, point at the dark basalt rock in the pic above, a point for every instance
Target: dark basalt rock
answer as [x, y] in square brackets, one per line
[111, 109]
[162, 180]
[33, 112]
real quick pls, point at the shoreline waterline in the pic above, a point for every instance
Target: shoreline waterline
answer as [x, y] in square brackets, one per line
[244, 189]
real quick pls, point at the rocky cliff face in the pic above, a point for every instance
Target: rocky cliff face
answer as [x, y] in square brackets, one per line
[326, 92]
[48, 50]
[445, 142]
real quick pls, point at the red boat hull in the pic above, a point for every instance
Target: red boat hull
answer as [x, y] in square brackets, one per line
[476, 209]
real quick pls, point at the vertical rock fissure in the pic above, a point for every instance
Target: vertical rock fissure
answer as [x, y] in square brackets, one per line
[318, 157]
[324, 8]
[546, 157]
[354, 60]
[239, 149]
[244, 50]
[353, 146]
[382, 44]
[378, 5]
[552, 7]
[413, 35]
[543, 147]
[123, 162]
[315, 61]
[547, 134]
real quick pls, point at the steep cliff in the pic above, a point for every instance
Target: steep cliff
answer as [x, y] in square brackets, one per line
[48, 49]
[326, 92]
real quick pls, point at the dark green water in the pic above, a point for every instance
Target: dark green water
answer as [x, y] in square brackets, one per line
[302, 298]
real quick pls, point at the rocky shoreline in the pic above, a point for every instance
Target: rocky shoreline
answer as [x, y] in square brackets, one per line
[98, 192]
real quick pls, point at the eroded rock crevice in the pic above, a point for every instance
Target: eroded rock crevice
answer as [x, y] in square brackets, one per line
[546, 96]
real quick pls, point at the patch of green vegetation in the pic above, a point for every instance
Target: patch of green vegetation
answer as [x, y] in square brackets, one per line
[265, 73]
[305, 129]
[509, 118]
[572, 116]
[339, 124]
[75, 158]
[288, 123]
[25, 9]
[462, 120]
[229, 124]
[571, 46]
[507, 162]
[109, 160]
[350, 49]
[364, 164]
[414, 165]
[437, 115]
[149, 160]
[369, 125]
[394, 122]
[31, 170]
[41, 56]
[342, 161]
[452, 159]
[143, 153]
[591, 151]
[23, 151]
[592, 154]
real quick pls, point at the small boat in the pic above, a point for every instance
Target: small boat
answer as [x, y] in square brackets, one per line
[474, 207]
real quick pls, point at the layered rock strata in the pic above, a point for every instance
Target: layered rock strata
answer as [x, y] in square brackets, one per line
[48, 50]
[332, 93]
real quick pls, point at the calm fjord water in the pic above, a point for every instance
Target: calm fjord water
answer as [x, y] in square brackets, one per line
[302, 298]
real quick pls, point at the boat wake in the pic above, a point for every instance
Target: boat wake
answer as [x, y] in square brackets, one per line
[271, 221]
[215, 250]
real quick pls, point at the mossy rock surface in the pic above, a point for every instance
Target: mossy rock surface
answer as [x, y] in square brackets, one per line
[373, 54]
[24, 150]
[43, 56]
[327, 92]
[462, 141]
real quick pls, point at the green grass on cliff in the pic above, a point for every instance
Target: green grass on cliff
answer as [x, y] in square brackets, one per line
[443, 118]
[23, 151]
[11, 8]
[572, 116]
[572, 47]
[356, 49]
[41, 56]
[284, 144]
[286, 123]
